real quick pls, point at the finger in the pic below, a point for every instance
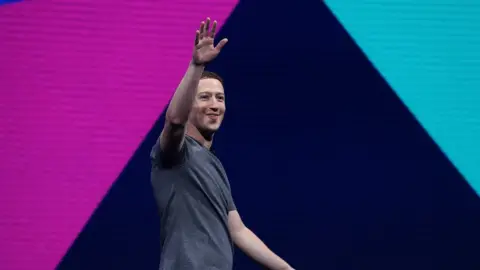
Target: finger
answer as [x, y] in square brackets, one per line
[202, 29]
[221, 44]
[197, 37]
[214, 28]
[207, 27]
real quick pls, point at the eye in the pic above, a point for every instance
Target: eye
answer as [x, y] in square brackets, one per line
[204, 97]
[221, 98]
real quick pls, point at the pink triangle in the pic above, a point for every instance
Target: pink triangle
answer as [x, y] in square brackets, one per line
[81, 84]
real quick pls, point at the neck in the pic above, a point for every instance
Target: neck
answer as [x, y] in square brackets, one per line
[203, 139]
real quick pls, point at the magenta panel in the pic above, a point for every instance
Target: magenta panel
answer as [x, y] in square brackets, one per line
[81, 84]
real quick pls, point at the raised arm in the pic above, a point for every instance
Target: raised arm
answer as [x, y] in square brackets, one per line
[176, 117]
[173, 133]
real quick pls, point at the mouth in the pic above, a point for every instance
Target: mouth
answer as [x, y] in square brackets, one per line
[213, 116]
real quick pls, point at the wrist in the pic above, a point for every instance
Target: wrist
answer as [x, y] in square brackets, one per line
[196, 64]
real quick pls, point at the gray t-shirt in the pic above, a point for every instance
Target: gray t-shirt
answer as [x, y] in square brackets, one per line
[194, 198]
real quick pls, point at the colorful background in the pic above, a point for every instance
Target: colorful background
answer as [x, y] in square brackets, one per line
[364, 117]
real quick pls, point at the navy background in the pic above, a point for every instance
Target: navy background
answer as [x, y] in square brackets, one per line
[327, 165]
[7, 1]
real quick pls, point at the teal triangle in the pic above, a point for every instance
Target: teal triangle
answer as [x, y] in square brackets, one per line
[428, 51]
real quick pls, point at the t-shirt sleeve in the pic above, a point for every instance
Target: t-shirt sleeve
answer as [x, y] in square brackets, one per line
[159, 159]
[155, 153]
[231, 204]
[230, 201]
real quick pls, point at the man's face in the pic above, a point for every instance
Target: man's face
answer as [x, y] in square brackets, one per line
[209, 106]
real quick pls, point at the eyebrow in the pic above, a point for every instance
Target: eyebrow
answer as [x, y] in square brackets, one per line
[211, 93]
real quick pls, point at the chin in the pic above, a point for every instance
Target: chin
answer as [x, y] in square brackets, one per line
[212, 129]
[208, 127]
[207, 132]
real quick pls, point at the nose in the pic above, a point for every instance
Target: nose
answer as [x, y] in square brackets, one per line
[214, 108]
[214, 105]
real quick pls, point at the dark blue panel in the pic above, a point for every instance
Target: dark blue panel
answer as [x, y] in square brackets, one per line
[8, 1]
[327, 165]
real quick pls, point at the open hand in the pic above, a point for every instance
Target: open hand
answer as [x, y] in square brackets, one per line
[204, 50]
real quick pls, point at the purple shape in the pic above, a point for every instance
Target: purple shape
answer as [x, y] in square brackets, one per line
[81, 84]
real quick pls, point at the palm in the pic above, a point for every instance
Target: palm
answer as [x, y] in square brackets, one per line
[204, 50]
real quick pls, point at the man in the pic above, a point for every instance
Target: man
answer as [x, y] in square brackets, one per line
[199, 220]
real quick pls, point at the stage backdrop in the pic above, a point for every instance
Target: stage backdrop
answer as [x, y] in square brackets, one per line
[328, 164]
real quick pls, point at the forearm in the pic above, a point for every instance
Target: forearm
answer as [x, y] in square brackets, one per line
[249, 243]
[182, 101]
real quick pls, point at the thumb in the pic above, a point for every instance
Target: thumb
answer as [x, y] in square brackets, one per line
[221, 44]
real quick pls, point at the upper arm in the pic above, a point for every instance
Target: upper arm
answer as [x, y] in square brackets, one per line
[172, 137]
[170, 142]
[235, 223]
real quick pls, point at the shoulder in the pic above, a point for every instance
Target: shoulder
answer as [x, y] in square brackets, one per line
[189, 141]
[160, 160]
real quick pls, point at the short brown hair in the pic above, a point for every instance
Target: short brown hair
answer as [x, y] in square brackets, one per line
[211, 75]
